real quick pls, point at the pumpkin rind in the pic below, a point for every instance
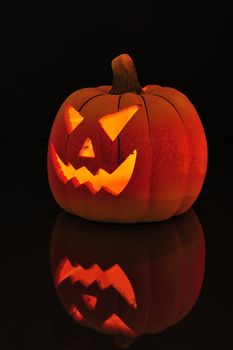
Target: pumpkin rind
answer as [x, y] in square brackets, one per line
[171, 147]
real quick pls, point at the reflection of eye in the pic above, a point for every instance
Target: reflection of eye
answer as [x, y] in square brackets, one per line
[72, 118]
[115, 122]
[90, 301]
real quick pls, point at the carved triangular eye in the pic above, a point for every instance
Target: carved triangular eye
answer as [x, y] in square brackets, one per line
[72, 118]
[114, 123]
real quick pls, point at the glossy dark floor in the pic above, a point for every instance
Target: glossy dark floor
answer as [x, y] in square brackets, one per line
[32, 316]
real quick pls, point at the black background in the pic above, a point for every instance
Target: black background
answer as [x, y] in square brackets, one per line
[47, 52]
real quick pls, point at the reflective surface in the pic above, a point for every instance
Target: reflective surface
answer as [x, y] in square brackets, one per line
[128, 279]
[32, 315]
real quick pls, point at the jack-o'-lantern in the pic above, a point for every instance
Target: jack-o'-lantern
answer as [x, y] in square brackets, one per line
[124, 279]
[126, 154]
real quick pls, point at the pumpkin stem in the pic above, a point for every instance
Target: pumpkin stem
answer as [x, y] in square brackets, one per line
[125, 78]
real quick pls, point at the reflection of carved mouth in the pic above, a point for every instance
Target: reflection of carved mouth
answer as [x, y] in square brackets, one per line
[113, 323]
[114, 183]
[114, 277]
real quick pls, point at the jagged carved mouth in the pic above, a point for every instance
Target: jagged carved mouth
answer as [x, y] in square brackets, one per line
[113, 183]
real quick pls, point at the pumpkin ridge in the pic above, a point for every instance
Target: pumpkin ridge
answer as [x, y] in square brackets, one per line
[171, 105]
[118, 162]
[88, 100]
[148, 120]
[147, 115]
[183, 122]
[118, 137]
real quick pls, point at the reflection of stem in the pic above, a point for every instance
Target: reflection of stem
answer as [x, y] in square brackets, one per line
[122, 341]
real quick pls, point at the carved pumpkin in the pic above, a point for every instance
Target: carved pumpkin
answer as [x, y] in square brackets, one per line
[126, 153]
[128, 279]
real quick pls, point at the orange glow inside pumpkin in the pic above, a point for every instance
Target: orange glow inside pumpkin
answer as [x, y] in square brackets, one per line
[114, 277]
[113, 123]
[113, 183]
[72, 118]
[87, 150]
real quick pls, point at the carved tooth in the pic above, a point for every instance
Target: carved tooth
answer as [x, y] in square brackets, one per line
[120, 177]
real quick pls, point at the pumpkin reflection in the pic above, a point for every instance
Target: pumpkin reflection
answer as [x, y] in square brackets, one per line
[128, 279]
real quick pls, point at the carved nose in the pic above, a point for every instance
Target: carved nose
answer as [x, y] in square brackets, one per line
[87, 150]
